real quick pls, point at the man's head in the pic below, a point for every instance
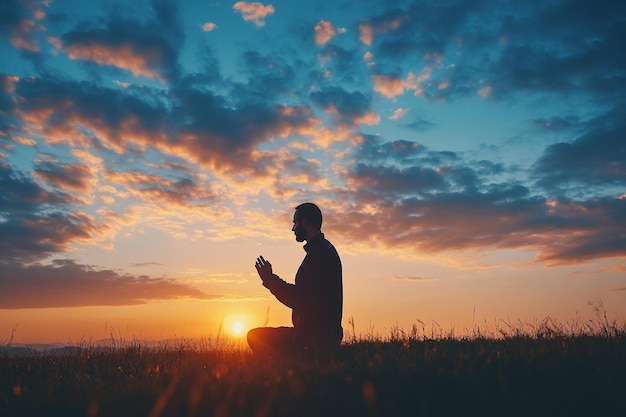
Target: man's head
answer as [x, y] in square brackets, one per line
[307, 221]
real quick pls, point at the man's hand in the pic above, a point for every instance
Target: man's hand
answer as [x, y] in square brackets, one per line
[264, 268]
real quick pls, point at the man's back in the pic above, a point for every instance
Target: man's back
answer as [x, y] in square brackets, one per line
[319, 282]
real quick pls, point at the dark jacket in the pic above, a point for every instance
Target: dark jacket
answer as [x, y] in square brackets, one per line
[316, 298]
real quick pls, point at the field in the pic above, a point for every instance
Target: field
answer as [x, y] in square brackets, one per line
[544, 369]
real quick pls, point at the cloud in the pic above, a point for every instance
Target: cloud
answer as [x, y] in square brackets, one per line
[408, 198]
[596, 159]
[392, 86]
[147, 48]
[71, 177]
[197, 125]
[381, 180]
[413, 279]
[64, 283]
[398, 114]
[516, 54]
[342, 66]
[388, 86]
[420, 125]
[558, 123]
[324, 32]
[589, 62]
[347, 108]
[254, 11]
[183, 191]
[504, 218]
[391, 20]
[35, 223]
[485, 91]
[19, 23]
[209, 27]
[270, 78]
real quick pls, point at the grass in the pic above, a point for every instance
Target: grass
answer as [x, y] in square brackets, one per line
[537, 369]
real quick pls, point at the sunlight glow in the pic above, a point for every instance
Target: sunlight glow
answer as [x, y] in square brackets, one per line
[238, 327]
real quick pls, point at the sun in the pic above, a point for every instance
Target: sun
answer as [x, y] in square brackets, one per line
[238, 327]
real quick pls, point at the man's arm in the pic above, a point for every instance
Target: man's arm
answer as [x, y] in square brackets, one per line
[284, 292]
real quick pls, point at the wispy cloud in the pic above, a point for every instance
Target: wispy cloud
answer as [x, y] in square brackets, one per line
[413, 278]
[398, 114]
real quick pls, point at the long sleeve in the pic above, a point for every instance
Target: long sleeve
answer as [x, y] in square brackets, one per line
[284, 292]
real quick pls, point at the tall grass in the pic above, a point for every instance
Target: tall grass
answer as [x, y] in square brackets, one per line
[515, 369]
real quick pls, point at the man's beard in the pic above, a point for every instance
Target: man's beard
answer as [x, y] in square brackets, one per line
[300, 234]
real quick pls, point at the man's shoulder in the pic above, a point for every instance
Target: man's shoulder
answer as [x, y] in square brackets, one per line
[327, 247]
[321, 246]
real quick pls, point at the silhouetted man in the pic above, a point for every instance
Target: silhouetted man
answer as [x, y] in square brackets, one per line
[316, 297]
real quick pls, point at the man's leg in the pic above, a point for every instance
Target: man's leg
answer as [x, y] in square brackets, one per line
[270, 340]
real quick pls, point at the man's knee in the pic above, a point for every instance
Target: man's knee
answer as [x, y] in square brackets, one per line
[270, 339]
[253, 337]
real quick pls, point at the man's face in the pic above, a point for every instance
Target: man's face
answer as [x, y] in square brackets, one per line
[298, 228]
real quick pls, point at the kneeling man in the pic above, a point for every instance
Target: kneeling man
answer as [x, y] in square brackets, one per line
[316, 297]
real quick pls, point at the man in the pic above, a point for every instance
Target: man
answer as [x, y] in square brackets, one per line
[316, 297]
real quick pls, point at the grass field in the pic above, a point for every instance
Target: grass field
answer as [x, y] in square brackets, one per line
[544, 369]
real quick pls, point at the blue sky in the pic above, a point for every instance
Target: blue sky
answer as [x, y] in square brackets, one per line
[155, 148]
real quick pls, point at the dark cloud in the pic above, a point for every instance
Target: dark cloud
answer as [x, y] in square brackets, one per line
[565, 47]
[503, 217]
[73, 177]
[62, 107]
[401, 153]
[9, 122]
[195, 124]
[420, 125]
[12, 12]
[213, 131]
[148, 48]
[65, 283]
[423, 28]
[34, 222]
[341, 65]
[18, 25]
[269, 78]
[435, 203]
[570, 46]
[558, 123]
[346, 107]
[395, 181]
[596, 158]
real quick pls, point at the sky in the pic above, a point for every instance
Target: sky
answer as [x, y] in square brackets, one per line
[469, 158]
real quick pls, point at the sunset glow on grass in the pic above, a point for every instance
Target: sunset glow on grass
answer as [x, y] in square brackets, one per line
[470, 164]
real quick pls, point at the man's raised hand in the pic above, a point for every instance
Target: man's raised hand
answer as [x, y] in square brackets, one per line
[264, 268]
